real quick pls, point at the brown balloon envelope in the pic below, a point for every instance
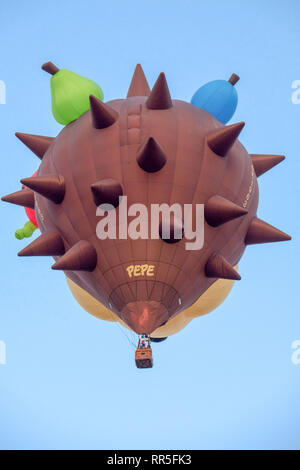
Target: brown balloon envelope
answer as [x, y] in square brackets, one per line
[153, 150]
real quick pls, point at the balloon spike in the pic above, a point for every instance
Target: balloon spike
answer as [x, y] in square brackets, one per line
[38, 144]
[263, 163]
[151, 157]
[159, 97]
[52, 187]
[48, 244]
[219, 210]
[174, 232]
[102, 115]
[107, 191]
[261, 232]
[221, 141]
[217, 266]
[139, 85]
[24, 197]
[81, 257]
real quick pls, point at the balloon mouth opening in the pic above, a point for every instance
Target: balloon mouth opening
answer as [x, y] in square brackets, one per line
[145, 316]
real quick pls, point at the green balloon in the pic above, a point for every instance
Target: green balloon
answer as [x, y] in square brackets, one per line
[70, 95]
[19, 234]
[28, 229]
[25, 231]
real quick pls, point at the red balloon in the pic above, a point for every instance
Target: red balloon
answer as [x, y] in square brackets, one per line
[31, 212]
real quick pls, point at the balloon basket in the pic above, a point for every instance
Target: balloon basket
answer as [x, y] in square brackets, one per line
[143, 358]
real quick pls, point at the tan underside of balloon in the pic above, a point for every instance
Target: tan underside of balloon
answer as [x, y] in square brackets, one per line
[208, 301]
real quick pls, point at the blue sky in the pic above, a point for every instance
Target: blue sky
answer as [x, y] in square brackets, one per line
[227, 380]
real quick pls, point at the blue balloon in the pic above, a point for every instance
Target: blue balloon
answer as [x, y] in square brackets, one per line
[219, 98]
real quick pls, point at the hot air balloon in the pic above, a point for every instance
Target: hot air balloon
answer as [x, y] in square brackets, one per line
[154, 150]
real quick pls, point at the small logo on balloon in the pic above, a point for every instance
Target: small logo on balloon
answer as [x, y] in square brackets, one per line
[136, 270]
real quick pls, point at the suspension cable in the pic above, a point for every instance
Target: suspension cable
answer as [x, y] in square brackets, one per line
[124, 333]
